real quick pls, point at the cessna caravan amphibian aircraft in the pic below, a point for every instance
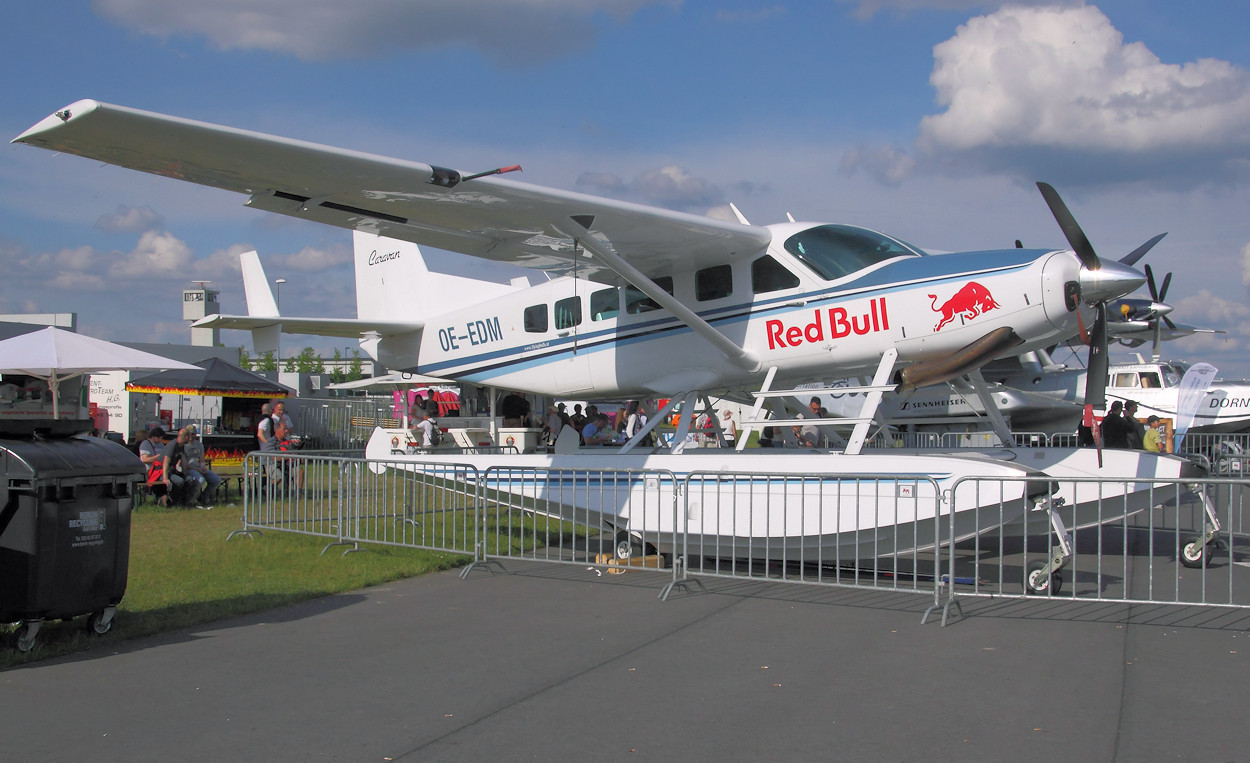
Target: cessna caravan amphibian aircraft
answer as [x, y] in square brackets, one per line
[648, 302]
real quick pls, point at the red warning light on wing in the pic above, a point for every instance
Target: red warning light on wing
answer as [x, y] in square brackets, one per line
[970, 301]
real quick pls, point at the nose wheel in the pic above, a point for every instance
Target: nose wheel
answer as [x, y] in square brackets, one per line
[1042, 581]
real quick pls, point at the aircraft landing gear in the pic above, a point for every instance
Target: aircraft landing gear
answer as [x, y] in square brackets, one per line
[628, 546]
[1044, 578]
[1195, 550]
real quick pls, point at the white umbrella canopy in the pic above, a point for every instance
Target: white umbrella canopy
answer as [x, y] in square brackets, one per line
[54, 355]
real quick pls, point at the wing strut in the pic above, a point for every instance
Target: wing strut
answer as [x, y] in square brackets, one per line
[736, 354]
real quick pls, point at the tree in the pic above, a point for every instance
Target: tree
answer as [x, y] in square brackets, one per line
[268, 362]
[245, 360]
[357, 368]
[339, 374]
[308, 362]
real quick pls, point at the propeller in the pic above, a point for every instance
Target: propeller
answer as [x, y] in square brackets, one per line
[1099, 281]
[1158, 296]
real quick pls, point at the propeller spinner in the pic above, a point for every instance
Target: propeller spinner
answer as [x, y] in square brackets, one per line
[1100, 281]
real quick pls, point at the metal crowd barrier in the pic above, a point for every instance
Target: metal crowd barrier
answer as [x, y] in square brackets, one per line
[1170, 542]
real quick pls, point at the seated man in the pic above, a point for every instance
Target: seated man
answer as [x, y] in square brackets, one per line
[152, 454]
[598, 431]
[173, 467]
[202, 482]
[281, 442]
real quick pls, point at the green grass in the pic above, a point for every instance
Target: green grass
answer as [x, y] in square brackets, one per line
[183, 572]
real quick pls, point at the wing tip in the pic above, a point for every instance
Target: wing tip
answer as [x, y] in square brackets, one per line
[56, 119]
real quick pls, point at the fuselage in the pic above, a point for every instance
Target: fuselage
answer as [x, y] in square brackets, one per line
[1155, 386]
[818, 301]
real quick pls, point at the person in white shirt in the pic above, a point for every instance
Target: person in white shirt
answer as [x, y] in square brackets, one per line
[423, 428]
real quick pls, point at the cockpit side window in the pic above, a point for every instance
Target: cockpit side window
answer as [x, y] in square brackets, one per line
[1150, 379]
[605, 304]
[713, 283]
[769, 275]
[834, 251]
[637, 302]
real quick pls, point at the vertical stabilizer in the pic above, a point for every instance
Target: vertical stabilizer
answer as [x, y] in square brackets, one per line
[260, 303]
[391, 279]
[393, 282]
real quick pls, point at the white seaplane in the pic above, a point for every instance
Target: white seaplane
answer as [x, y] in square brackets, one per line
[649, 302]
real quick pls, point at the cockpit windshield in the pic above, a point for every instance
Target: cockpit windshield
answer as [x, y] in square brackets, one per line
[834, 251]
[1173, 372]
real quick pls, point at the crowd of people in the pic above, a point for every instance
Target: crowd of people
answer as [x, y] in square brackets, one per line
[178, 472]
[1122, 429]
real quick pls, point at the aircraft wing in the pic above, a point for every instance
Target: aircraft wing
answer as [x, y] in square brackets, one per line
[344, 327]
[486, 217]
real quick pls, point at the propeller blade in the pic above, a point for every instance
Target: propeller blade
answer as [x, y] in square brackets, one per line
[1158, 339]
[1163, 290]
[1019, 244]
[1071, 230]
[1150, 283]
[1168, 321]
[1132, 257]
[1096, 370]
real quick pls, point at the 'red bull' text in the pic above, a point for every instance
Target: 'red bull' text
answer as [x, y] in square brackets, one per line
[836, 321]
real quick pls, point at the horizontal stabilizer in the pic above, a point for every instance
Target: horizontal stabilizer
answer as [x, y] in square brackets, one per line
[342, 327]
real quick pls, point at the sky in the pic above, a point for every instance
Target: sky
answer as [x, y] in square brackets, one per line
[930, 120]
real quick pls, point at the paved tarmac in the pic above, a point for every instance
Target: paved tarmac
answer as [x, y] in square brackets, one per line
[557, 662]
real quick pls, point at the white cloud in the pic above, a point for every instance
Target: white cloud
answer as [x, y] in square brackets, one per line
[888, 164]
[1037, 87]
[515, 32]
[312, 259]
[669, 186]
[158, 255]
[130, 220]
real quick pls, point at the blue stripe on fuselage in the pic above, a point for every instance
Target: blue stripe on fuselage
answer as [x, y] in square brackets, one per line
[893, 277]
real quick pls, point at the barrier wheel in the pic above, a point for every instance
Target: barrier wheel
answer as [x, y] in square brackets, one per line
[99, 624]
[1194, 552]
[1039, 583]
[628, 546]
[26, 636]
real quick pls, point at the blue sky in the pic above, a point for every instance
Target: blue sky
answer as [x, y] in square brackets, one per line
[928, 119]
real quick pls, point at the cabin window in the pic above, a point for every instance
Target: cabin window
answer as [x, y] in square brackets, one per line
[769, 275]
[1150, 379]
[568, 313]
[605, 304]
[637, 302]
[536, 319]
[834, 251]
[1124, 380]
[713, 283]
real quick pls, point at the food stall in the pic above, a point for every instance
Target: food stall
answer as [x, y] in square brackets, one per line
[232, 434]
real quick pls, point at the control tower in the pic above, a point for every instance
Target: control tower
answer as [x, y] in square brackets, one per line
[198, 303]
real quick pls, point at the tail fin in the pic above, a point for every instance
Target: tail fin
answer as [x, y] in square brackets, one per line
[260, 303]
[390, 278]
[394, 284]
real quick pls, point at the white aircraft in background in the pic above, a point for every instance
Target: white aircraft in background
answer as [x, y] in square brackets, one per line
[648, 302]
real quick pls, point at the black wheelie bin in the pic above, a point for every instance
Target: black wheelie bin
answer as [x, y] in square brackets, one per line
[65, 507]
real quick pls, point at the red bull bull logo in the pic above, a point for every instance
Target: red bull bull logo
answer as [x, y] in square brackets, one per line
[970, 301]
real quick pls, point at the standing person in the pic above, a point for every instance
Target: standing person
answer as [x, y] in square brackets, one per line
[515, 410]
[1136, 432]
[1114, 427]
[423, 428]
[813, 405]
[618, 426]
[578, 419]
[265, 420]
[1152, 441]
[553, 424]
[730, 427]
